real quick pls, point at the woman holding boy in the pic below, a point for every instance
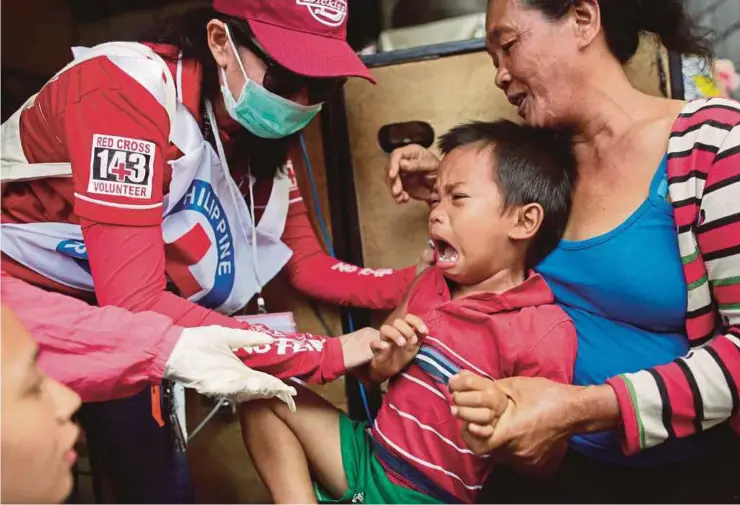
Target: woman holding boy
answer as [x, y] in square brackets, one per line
[654, 408]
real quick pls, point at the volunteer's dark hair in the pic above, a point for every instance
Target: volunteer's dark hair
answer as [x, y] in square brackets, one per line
[624, 20]
[187, 31]
[529, 165]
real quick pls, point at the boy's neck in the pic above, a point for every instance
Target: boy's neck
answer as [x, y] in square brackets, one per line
[501, 281]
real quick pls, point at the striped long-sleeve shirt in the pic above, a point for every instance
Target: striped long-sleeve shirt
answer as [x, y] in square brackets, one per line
[699, 390]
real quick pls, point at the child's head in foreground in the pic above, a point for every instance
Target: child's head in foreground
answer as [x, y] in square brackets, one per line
[502, 199]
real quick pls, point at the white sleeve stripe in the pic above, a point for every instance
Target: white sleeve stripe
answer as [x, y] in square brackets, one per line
[732, 338]
[117, 205]
[696, 105]
[708, 135]
[687, 189]
[649, 407]
[719, 204]
[724, 268]
[698, 299]
[732, 141]
[713, 388]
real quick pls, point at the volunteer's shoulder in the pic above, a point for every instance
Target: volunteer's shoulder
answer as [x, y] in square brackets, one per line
[115, 133]
[97, 79]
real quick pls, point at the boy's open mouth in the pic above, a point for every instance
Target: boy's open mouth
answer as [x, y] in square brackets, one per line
[447, 255]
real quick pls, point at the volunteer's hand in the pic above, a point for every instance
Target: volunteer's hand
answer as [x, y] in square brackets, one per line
[398, 344]
[411, 173]
[203, 359]
[356, 347]
[428, 258]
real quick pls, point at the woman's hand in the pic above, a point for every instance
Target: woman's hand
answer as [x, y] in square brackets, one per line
[530, 419]
[411, 173]
[527, 421]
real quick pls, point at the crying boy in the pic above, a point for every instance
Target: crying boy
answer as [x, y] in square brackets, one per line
[500, 205]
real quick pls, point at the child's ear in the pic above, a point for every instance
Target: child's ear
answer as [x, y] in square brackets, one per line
[528, 220]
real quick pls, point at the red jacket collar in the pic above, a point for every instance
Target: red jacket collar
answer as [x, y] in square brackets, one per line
[532, 292]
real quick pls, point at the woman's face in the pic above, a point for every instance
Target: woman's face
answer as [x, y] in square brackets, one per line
[534, 60]
[38, 434]
[254, 66]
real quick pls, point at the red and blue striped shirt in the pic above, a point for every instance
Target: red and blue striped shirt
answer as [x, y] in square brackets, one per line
[516, 333]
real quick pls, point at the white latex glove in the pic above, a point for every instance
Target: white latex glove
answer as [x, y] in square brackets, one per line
[203, 360]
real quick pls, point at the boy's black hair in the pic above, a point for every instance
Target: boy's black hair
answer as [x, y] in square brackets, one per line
[530, 165]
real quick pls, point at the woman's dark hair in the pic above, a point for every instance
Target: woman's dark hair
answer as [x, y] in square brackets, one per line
[529, 165]
[624, 20]
[187, 31]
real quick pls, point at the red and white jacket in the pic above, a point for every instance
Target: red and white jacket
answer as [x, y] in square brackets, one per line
[92, 113]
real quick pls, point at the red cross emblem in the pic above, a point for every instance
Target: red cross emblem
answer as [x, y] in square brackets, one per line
[121, 171]
[181, 254]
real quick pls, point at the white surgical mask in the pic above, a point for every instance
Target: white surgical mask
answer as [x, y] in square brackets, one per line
[263, 113]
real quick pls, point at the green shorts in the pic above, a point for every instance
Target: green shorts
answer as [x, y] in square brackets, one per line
[366, 477]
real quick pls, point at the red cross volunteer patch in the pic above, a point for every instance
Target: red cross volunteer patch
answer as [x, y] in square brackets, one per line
[121, 166]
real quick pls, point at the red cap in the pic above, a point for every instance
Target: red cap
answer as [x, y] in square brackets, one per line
[307, 37]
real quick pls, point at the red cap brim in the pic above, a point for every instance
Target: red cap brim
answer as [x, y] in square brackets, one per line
[308, 54]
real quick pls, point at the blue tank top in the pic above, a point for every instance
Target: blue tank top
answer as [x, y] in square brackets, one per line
[626, 293]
